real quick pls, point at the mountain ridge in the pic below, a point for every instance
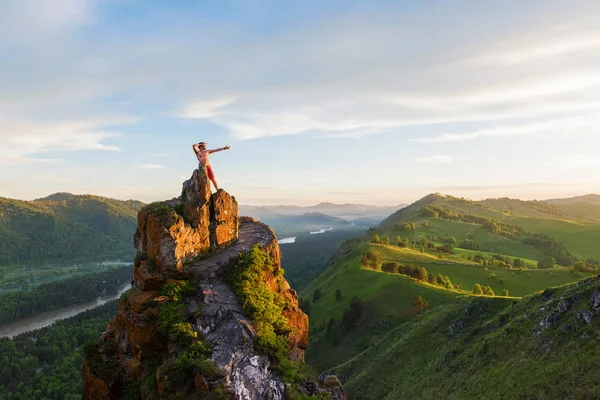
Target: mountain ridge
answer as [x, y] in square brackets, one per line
[64, 226]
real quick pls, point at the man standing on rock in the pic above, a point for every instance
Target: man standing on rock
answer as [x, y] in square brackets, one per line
[202, 155]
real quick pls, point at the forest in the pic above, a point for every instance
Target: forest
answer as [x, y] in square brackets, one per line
[56, 295]
[46, 363]
[66, 227]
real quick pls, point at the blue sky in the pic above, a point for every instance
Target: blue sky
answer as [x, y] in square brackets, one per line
[377, 102]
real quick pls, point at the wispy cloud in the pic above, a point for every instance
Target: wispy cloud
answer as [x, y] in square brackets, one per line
[150, 166]
[440, 159]
[566, 127]
[322, 78]
[20, 139]
[206, 108]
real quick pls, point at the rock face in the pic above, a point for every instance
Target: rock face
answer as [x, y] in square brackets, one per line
[194, 237]
[169, 234]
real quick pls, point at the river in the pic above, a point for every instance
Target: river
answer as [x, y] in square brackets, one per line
[48, 318]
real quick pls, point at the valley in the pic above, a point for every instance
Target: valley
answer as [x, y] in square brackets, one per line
[390, 291]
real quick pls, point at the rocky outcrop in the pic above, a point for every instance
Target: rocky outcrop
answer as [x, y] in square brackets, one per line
[172, 233]
[194, 237]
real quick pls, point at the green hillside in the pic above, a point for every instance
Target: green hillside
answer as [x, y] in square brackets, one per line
[510, 229]
[66, 227]
[387, 298]
[544, 346]
[443, 251]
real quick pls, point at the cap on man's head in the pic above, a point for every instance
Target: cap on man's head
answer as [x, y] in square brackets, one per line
[202, 143]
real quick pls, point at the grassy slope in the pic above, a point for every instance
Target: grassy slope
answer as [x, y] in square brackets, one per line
[407, 355]
[580, 236]
[518, 283]
[390, 300]
[497, 349]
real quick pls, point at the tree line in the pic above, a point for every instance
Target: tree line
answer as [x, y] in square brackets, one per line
[60, 294]
[550, 247]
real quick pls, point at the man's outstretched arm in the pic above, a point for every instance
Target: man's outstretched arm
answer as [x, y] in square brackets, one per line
[220, 149]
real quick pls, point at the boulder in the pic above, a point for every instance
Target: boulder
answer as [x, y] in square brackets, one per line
[224, 218]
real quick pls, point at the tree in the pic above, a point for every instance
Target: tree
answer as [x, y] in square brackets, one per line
[546, 262]
[386, 241]
[422, 274]
[426, 224]
[376, 239]
[448, 284]
[505, 293]
[338, 294]
[405, 242]
[398, 241]
[477, 289]
[440, 280]
[432, 279]
[391, 267]
[446, 248]
[518, 263]
[352, 313]
[487, 290]
[317, 294]
[371, 260]
[467, 244]
[419, 304]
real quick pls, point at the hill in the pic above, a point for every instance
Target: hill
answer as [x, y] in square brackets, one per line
[585, 199]
[444, 251]
[387, 298]
[544, 346]
[529, 229]
[66, 227]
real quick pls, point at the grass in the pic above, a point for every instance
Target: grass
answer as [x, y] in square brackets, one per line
[393, 352]
[389, 297]
[518, 283]
[497, 349]
[389, 301]
[580, 238]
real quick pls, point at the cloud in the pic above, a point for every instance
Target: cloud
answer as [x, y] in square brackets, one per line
[205, 108]
[27, 20]
[352, 98]
[434, 160]
[564, 127]
[20, 139]
[350, 74]
[151, 166]
[558, 42]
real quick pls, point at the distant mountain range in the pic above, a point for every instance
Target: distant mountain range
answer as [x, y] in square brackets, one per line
[345, 211]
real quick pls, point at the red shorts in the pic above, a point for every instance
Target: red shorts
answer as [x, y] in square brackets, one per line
[210, 173]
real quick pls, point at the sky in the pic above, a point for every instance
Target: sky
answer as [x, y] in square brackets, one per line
[373, 102]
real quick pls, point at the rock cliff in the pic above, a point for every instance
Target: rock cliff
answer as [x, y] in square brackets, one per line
[181, 330]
